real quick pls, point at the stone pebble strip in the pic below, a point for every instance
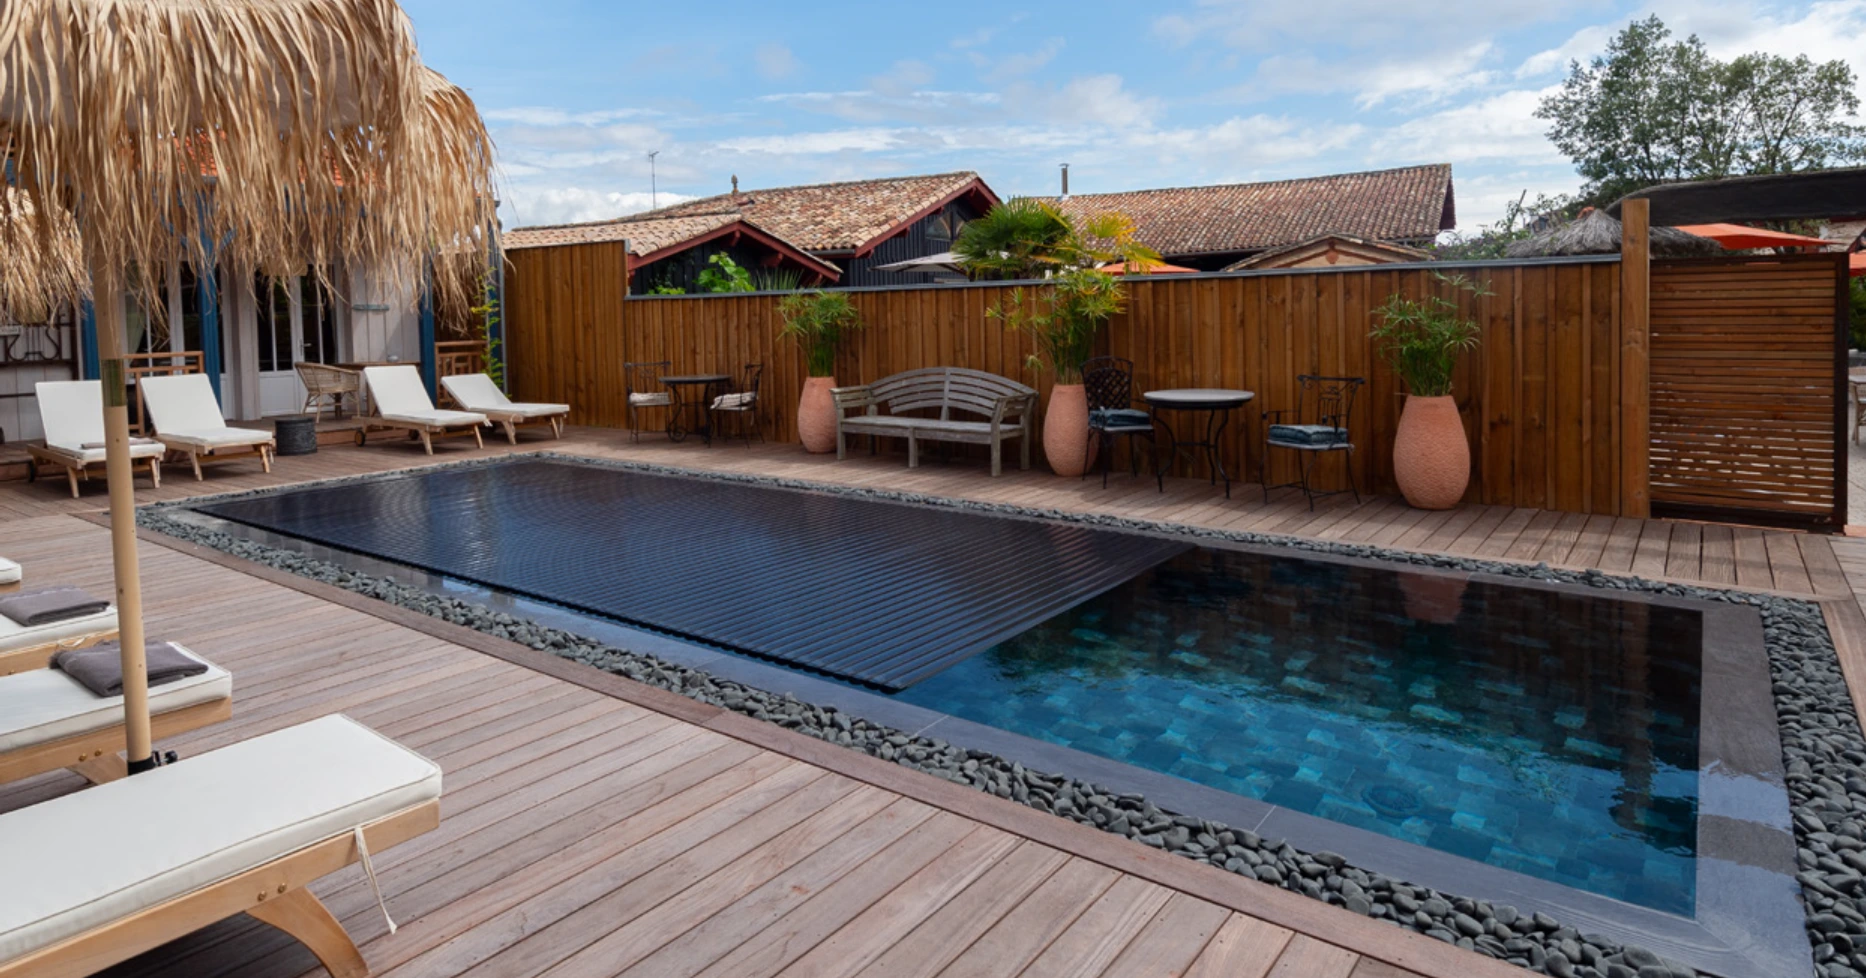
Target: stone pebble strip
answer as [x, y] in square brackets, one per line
[1824, 750]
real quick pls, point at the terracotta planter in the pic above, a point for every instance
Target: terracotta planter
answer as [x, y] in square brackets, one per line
[1065, 431]
[1431, 456]
[816, 415]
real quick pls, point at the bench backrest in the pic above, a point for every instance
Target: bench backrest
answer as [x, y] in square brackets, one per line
[945, 388]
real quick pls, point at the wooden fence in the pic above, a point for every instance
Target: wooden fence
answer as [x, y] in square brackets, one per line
[1748, 396]
[1542, 397]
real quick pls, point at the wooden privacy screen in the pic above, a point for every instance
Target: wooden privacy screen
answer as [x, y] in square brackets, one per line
[1539, 396]
[1748, 388]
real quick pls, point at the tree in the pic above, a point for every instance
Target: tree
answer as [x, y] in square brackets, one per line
[1653, 110]
[1030, 238]
[1521, 218]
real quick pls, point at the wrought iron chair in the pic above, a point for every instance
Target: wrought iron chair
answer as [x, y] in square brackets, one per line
[1109, 385]
[636, 377]
[1319, 425]
[741, 405]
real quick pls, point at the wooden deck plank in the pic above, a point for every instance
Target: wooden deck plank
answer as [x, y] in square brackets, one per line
[1306, 957]
[1243, 948]
[1102, 932]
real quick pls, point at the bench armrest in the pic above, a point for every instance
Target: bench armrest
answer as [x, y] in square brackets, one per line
[860, 395]
[1012, 406]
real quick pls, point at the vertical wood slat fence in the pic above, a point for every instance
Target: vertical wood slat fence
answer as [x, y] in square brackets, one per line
[1748, 388]
[1542, 396]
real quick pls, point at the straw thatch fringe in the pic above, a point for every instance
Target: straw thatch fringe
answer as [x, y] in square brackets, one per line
[39, 272]
[1596, 232]
[287, 133]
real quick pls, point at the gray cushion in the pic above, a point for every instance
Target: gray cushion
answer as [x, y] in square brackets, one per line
[1120, 418]
[1308, 434]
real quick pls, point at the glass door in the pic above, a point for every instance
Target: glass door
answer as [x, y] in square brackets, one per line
[279, 389]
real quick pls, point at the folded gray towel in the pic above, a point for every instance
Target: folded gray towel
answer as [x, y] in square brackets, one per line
[45, 605]
[100, 667]
[87, 446]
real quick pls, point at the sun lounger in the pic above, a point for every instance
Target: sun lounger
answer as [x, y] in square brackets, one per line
[25, 647]
[48, 720]
[477, 393]
[72, 414]
[127, 866]
[400, 401]
[10, 575]
[188, 421]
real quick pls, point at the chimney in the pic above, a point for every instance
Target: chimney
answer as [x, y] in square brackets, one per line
[1065, 181]
[735, 185]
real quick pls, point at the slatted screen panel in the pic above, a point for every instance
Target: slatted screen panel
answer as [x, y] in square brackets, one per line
[1748, 367]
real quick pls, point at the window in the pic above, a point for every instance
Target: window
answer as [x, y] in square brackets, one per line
[191, 315]
[275, 323]
[320, 322]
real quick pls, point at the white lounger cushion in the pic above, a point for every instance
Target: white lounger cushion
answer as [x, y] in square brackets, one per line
[39, 706]
[182, 402]
[399, 395]
[477, 392]
[106, 852]
[72, 414]
[10, 572]
[436, 418]
[15, 636]
[217, 437]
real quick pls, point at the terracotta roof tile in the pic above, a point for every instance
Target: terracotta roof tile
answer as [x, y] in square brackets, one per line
[834, 216]
[1409, 203]
[645, 235]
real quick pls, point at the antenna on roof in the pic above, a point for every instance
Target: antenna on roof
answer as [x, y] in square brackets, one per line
[1065, 181]
[735, 185]
[654, 196]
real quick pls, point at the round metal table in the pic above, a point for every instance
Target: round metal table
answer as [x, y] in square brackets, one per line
[1217, 405]
[676, 431]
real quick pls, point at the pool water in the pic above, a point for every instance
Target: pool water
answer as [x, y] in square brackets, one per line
[1549, 732]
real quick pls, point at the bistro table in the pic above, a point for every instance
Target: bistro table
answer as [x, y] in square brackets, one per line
[1217, 405]
[703, 424]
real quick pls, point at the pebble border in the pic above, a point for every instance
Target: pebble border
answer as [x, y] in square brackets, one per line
[1823, 746]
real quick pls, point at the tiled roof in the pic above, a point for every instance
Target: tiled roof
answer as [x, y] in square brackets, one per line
[835, 216]
[1410, 203]
[645, 235]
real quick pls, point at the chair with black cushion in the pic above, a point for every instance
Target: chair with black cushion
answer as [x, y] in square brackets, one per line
[741, 405]
[1319, 425]
[1109, 385]
[637, 378]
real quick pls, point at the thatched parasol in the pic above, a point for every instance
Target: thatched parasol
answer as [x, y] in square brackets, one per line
[42, 271]
[1597, 233]
[277, 134]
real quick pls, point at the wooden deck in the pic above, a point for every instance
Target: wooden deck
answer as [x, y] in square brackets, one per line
[596, 827]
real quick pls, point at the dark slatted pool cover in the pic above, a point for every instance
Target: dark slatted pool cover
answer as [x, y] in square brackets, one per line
[877, 592]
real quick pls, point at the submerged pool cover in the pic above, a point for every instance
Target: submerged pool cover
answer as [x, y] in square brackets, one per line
[879, 593]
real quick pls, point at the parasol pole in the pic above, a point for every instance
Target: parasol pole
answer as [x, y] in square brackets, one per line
[107, 301]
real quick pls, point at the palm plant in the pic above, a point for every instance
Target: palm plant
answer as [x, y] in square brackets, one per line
[1422, 338]
[1030, 238]
[818, 321]
[1078, 303]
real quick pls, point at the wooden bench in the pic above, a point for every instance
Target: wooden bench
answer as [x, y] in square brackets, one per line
[1005, 405]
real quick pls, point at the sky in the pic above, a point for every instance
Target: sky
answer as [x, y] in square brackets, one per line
[1131, 95]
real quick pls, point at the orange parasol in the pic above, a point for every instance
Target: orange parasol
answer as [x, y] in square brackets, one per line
[1737, 236]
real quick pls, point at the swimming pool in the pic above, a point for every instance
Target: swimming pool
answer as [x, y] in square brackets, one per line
[1607, 755]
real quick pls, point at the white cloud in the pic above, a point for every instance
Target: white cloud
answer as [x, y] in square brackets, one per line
[774, 61]
[902, 79]
[526, 205]
[1095, 99]
[1501, 127]
[1023, 63]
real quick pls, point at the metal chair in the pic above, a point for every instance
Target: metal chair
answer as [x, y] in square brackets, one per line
[1319, 424]
[635, 377]
[1109, 384]
[741, 405]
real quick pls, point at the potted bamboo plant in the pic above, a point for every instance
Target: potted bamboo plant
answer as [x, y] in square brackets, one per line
[819, 322]
[1422, 339]
[1064, 316]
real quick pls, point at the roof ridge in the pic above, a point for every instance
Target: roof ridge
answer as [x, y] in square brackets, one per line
[634, 218]
[1446, 167]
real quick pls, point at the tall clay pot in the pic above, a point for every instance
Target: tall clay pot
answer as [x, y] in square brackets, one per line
[1431, 457]
[1065, 431]
[816, 415]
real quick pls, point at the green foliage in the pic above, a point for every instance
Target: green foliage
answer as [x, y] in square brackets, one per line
[722, 274]
[1027, 238]
[777, 279]
[818, 321]
[666, 289]
[1653, 110]
[1857, 314]
[1422, 338]
[488, 314]
[1521, 219]
[1064, 317]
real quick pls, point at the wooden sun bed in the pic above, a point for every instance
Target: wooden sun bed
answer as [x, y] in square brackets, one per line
[401, 402]
[23, 648]
[48, 721]
[188, 422]
[477, 393]
[71, 412]
[316, 797]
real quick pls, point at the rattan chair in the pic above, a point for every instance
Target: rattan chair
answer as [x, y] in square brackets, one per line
[1109, 384]
[322, 381]
[636, 377]
[740, 404]
[1319, 425]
